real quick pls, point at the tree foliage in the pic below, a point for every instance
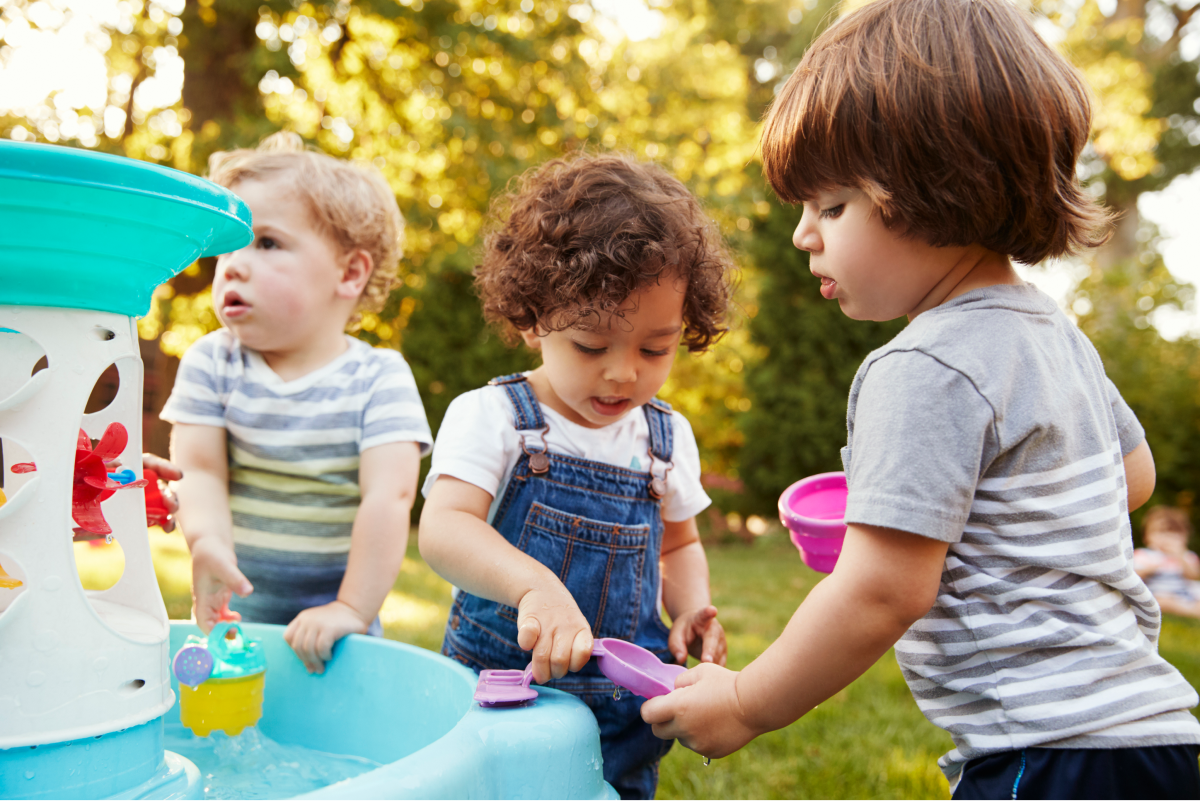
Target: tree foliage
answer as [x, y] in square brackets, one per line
[452, 98]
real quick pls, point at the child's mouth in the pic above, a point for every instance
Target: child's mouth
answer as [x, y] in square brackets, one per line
[828, 287]
[610, 407]
[234, 306]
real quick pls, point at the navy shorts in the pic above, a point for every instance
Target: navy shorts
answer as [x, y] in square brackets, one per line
[1163, 771]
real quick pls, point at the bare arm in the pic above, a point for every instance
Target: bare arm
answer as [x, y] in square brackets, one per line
[885, 580]
[460, 546]
[1139, 475]
[387, 477]
[200, 452]
[686, 596]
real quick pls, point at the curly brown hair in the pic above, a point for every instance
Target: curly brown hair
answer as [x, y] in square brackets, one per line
[575, 237]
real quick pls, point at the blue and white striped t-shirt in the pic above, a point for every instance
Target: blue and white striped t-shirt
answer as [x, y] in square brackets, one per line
[294, 451]
[989, 423]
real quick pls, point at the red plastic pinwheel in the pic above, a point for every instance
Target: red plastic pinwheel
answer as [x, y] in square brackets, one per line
[91, 482]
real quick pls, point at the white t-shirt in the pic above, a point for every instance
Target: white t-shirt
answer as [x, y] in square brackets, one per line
[478, 443]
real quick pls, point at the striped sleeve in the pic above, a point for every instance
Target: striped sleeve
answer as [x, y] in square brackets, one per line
[921, 431]
[196, 397]
[394, 412]
[1129, 429]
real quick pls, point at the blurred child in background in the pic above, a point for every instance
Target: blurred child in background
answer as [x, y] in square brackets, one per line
[1170, 570]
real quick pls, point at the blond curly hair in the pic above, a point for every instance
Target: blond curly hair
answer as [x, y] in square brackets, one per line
[351, 205]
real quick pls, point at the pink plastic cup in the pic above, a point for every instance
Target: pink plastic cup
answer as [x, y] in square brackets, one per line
[814, 511]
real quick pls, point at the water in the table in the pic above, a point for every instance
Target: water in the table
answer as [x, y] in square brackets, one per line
[252, 765]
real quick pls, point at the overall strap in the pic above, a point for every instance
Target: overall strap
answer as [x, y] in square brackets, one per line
[658, 418]
[525, 404]
[662, 429]
[528, 417]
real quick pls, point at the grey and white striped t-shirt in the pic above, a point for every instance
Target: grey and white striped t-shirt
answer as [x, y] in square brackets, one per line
[294, 453]
[989, 423]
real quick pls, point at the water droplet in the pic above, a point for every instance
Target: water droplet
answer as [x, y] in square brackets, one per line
[616, 693]
[707, 760]
[29, 774]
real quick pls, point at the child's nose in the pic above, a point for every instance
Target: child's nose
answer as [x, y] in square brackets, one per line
[621, 368]
[806, 237]
[233, 265]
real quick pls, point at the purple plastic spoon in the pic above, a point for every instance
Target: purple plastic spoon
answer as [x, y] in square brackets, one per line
[505, 687]
[634, 668]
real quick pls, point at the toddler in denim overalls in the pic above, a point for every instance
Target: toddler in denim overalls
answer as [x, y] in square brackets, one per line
[561, 502]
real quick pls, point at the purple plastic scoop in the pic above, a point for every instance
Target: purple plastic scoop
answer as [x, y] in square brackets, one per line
[634, 668]
[626, 665]
[505, 687]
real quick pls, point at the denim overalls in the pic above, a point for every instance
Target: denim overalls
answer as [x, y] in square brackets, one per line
[599, 528]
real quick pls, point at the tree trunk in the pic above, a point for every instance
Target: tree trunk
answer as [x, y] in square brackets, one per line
[1123, 244]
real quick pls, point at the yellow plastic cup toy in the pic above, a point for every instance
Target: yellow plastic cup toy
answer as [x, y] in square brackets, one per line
[221, 680]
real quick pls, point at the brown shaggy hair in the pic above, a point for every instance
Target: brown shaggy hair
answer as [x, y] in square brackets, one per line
[953, 116]
[574, 238]
[351, 205]
[1171, 518]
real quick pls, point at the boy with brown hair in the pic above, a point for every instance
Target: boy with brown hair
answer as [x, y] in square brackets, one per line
[300, 445]
[991, 464]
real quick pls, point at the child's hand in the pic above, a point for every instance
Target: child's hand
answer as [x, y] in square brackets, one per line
[313, 633]
[214, 578]
[166, 471]
[550, 624]
[703, 712]
[699, 633]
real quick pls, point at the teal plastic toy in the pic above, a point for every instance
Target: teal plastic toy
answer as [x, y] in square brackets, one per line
[221, 679]
[104, 231]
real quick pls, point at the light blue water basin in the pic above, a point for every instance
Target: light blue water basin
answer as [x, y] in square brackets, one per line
[410, 710]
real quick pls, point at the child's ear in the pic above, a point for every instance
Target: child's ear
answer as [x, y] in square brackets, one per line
[531, 338]
[356, 271]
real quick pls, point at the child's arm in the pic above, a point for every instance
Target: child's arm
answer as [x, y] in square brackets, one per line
[200, 452]
[885, 580]
[1139, 475]
[694, 625]
[457, 543]
[387, 477]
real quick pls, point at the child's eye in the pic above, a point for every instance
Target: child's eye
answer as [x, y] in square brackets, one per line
[663, 352]
[585, 350]
[267, 243]
[833, 212]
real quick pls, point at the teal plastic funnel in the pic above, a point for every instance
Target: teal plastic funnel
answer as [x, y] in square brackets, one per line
[88, 230]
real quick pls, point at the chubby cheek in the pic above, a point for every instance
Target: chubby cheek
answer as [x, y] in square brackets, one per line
[284, 296]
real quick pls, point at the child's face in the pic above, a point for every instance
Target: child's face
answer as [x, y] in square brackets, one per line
[1167, 540]
[285, 287]
[875, 273]
[595, 375]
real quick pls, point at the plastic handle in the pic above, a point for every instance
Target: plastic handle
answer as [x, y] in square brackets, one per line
[218, 645]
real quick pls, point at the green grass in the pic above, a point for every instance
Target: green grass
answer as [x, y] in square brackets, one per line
[869, 741]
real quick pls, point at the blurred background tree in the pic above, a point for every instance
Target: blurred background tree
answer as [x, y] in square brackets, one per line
[451, 98]
[1140, 58]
